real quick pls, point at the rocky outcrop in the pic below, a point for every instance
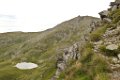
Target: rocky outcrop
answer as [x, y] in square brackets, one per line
[112, 36]
[111, 44]
[110, 41]
[70, 54]
[115, 5]
[105, 16]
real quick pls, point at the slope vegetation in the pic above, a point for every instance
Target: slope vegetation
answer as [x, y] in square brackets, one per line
[41, 48]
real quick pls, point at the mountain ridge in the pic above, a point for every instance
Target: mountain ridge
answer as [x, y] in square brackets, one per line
[83, 48]
[20, 46]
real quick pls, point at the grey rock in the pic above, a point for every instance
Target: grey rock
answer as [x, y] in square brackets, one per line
[104, 14]
[119, 56]
[114, 60]
[117, 65]
[107, 20]
[61, 66]
[58, 71]
[112, 47]
[71, 53]
[111, 33]
[115, 75]
[98, 43]
[114, 8]
[115, 5]
[117, 1]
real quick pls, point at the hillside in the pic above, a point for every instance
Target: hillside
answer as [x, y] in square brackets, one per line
[83, 48]
[42, 48]
[100, 57]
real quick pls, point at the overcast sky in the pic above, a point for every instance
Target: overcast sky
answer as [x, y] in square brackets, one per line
[38, 15]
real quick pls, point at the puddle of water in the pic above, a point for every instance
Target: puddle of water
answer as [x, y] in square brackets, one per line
[26, 65]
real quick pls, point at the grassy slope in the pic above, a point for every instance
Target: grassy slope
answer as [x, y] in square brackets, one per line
[93, 66]
[41, 48]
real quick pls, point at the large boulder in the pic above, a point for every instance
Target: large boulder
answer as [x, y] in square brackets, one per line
[104, 14]
[112, 47]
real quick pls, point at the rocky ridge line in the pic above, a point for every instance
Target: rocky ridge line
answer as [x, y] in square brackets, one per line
[111, 41]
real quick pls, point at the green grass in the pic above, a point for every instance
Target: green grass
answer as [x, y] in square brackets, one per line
[40, 47]
[92, 67]
[97, 34]
[115, 16]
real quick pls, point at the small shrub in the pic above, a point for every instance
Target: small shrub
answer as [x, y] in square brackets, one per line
[89, 45]
[97, 35]
[95, 68]
[87, 55]
[103, 48]
[115, 16]
[101, 76]
[82, 75]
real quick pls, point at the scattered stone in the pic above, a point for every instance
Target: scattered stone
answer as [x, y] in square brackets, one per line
[114, 60]
[117, 65]
[98, 43]
[119, 56]
[112, 47]
[115, 75]
[107, 20]
[119, 61]
[114, 8]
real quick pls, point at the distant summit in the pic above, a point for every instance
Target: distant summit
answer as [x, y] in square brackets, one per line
[83, 48]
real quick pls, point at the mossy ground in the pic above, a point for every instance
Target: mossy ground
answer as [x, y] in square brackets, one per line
[91, 66]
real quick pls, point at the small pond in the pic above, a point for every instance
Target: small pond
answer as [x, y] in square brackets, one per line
[26, 65]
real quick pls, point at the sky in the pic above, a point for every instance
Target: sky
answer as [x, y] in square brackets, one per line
[39, 15]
